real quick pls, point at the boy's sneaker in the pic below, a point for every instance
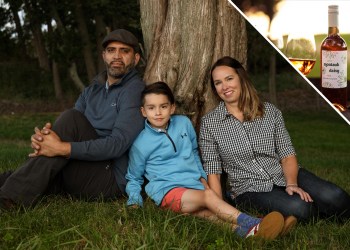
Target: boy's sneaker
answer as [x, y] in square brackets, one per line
[289, 223]
[269, 228]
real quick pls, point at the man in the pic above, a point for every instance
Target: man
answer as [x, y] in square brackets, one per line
[85, 153]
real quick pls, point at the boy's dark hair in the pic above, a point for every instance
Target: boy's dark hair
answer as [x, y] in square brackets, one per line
[158, 88]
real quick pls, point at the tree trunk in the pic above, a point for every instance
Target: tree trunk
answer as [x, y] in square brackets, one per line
[39, 45]
[87, 51]
[73, 73]
[182, 40]
[55, 69]
[57, 18]
[100, 34]
[272, 78]
[38, 39]
[57, 81]
[22, 47]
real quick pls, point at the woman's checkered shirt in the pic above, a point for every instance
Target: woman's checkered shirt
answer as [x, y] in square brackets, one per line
[249, 152]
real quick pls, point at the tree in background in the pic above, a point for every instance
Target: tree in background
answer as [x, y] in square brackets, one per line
[183, 39]
[63, 37]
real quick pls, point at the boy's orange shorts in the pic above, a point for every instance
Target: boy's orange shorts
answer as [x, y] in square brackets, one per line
[172, 200]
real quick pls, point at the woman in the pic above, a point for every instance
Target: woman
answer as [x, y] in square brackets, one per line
[247, 140]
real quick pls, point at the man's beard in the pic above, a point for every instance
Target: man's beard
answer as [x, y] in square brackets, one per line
[119, 72]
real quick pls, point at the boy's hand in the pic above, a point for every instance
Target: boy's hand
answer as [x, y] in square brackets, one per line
[204, 182]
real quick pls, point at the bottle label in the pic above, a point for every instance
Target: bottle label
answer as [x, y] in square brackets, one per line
[334, 69]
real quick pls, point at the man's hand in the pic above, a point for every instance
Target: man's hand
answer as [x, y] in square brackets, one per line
[50, 145]
[39, 137]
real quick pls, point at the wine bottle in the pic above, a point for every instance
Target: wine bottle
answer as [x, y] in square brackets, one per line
[334, 63]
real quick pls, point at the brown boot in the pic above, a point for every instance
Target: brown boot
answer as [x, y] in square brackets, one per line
[289, 223]
[269, 228]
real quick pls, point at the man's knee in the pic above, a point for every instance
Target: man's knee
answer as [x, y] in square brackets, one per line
[72, 125]
[68, 116]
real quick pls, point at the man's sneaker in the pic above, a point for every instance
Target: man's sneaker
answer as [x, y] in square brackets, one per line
[289, 223]
[269, 228]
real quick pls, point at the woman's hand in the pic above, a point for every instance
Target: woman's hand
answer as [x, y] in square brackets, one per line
[291, 189]
[290, 171]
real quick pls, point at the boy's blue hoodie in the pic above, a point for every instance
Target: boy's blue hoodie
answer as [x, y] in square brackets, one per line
[167, 158]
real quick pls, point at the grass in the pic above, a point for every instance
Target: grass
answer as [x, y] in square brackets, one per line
[321, 141]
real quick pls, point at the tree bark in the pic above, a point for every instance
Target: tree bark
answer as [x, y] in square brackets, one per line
[57, 18]
[39, 45]
[38, 39]
[100, 34]
[182, 40]
[272, 78]
[87, 51]
[73, 73]
[57, 81]
[55, 69]
[14, 10]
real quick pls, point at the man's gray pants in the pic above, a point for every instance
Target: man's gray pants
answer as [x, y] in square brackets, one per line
[38, 176]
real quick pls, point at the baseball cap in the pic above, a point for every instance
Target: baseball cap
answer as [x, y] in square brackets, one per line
[123, 36]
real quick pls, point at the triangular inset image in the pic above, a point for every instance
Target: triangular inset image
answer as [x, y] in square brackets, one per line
[282, 23]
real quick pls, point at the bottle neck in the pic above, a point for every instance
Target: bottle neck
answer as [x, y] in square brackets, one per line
[333, 31]
[333, 23]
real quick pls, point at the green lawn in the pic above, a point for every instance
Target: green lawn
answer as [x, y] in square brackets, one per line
[322, 144]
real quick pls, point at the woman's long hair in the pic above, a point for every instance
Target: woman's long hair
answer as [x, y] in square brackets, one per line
[249, 102]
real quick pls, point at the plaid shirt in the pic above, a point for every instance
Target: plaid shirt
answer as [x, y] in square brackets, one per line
[249, 152]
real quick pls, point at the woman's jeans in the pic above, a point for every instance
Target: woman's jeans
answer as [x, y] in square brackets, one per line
[328, 199]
